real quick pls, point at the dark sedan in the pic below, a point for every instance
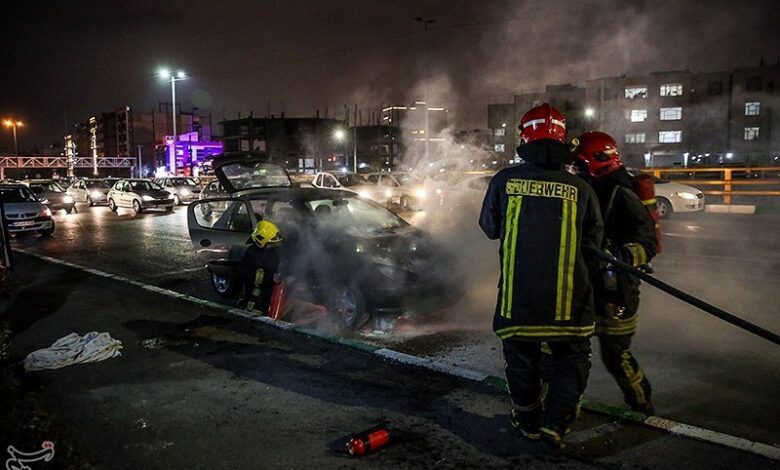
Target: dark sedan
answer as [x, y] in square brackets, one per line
[52, 195]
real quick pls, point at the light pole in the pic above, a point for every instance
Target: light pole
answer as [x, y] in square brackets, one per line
[341, 136]
[165, 74]
[426, 131]
[13, 125]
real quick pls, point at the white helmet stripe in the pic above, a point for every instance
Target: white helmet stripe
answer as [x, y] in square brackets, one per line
[542, 121]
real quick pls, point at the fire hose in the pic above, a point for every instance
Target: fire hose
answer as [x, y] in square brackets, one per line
[685, 297]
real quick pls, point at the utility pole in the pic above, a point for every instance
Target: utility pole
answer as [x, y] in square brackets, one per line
[173, 78]
[426, 53]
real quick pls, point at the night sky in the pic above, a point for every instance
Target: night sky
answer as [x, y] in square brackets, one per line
[63, 61]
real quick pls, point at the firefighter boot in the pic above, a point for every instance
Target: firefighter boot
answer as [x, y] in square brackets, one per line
[526, 422]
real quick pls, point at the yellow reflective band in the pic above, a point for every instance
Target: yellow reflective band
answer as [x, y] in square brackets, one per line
[544, 330]
[638, 254]
[539, 188]
[571, 260]
[510, 247]
[649, 202]
[634, 378]
[559, 294]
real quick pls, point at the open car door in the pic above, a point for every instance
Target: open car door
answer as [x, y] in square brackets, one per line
[6, 258]
[247, 172]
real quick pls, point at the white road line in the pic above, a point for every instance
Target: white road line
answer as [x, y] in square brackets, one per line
[673, 427]
[173, 273]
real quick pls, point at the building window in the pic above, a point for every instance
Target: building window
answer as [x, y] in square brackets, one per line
[638, 115]
[635, 138]
[499, 131]
[752, 108]
[671, 89]
[669, 137]
[499, 147]
[671, 114]
[751, 133]
[636, 92]
[715, 88]
[753, 84]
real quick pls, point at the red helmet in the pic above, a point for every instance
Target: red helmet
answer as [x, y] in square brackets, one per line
[599, 151]
[543, 122]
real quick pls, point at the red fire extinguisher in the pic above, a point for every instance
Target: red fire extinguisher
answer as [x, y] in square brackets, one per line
[278, 296]
[369, 440]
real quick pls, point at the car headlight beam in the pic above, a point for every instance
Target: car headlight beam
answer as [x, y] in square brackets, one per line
[147, 198]
[685, 195]
[68, 199]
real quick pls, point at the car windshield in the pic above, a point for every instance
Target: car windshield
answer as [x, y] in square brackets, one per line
[247, 175]
[98, 184]
[144, 185]
[406, 179]
[51, 187]
[354, 216]
[183, 182]
[19, 194]
[351, 179]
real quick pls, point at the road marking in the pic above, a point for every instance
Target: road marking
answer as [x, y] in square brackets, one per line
[173, 273]
[670, 426]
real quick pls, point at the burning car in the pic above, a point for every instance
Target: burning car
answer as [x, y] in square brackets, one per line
[353, 255]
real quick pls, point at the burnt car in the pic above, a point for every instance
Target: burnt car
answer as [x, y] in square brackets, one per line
[353, 255]
[52, 195]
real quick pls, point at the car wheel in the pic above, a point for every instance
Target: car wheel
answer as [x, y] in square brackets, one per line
[69, 209]
[663, 207]
[137, 206]
[176, 200]
[405, 204]
[347, 305]
[90, 202]
[169, 209]
[112, 205]
[225, 287]
[47, 232]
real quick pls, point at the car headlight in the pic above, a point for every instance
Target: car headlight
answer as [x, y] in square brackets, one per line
[185, 192]
[67, 199]
[46, 212]
[96, 194]
[420, 193]
[388, 193]
[684, 195]
[364, 194]
[147, 198]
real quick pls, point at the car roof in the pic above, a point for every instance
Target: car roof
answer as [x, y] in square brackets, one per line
[13, 185]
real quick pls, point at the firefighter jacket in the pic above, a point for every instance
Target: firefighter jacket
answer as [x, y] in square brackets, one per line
[549, 225]
[629, 233]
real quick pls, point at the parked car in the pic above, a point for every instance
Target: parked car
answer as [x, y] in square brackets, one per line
[353, 255]
[24, 212]
[90, 191]
[52, 195]
[467, 193]
[139, 194]
[401, 189]
[183, 189]
[345, 182]
[675, 197]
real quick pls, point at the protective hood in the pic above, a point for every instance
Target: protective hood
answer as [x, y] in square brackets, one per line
[545, 152]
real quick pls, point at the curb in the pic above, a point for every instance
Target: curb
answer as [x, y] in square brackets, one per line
[672, 427]
[730, 209]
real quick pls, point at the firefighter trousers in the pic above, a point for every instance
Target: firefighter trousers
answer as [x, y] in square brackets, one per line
[568, 374]
[617, 358]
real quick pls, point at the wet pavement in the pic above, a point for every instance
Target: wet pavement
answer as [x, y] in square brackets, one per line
[704, 372]
[194, 388]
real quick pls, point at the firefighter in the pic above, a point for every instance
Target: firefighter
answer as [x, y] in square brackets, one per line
[260, 267]
[630, 235]
[549, 226]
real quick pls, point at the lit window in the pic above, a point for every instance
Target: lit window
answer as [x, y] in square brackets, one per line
[499, 131]
[635, 138]
[751, 133]
[636, 92]
[671, 114]
[638, 115]
[672, 89]
[499, 147]
[752, 108]
[669, 137]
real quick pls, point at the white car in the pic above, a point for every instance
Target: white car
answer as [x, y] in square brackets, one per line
[401, 189]
[344, 182]
[675, 197]
[139, 194]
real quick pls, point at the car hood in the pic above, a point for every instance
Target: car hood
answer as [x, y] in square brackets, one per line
[666, 189]
[13, 209]
[54, 197]
[155, 193]
[100, 190]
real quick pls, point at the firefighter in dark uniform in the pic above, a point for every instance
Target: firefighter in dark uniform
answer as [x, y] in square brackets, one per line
[549, 225]
[630, 235]
[260, 267]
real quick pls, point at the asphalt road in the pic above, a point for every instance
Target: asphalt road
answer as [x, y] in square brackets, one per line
[195, 388]
[704, 371]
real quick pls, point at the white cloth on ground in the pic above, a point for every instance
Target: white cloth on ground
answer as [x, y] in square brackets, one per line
[74, 349]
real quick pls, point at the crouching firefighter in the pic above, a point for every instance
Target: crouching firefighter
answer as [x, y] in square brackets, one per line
[629, 235]
[549, 225]
[260, 267]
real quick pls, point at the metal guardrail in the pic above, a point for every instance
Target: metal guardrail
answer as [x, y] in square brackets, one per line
[62, 162]
[728, 178]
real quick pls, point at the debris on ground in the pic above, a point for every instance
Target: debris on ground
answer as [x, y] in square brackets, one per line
[74, 349]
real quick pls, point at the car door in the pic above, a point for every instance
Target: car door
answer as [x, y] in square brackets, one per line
[124, 194]
[217, 225]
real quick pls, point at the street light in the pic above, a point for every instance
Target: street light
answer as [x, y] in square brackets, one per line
[341, 136]
[13, 125]
[166, 74]
[589, 112]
